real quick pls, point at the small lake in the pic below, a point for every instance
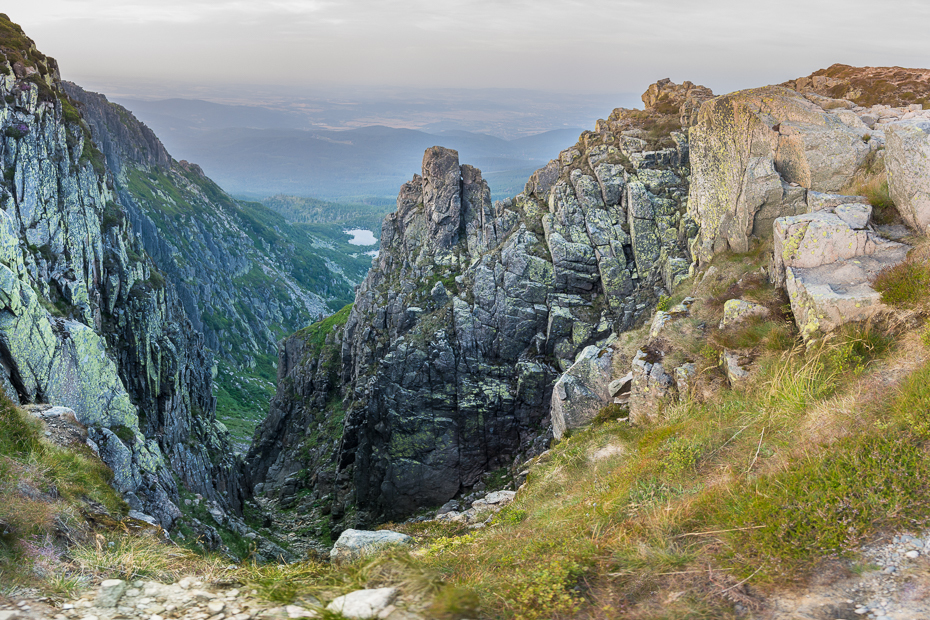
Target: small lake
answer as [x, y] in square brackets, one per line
[360, 236]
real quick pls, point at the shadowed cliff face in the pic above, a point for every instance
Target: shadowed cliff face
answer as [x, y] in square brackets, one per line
[443, 370]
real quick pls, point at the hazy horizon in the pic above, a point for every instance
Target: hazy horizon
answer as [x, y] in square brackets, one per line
[205, 48]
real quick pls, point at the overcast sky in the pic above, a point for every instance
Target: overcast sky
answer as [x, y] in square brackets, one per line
[574, 45]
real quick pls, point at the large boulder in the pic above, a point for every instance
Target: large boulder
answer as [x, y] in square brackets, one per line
[907, 159]
[753, 153]
[582, 391]
[827, 261]
[652, 387]
[354, 544]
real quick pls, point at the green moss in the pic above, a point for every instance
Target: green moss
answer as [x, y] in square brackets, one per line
[68, 112]
[113, 216]
[315, 334]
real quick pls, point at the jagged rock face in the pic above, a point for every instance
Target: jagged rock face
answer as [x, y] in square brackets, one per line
[243, 290]
[755, 153]
[470, 312]
[86, 322]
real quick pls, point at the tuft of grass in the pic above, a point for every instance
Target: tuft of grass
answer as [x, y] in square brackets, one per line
[755, 331]
[454, 603]
[873, 185]
[911, 407]
[315, 581]
[907, 284]
[143, 557]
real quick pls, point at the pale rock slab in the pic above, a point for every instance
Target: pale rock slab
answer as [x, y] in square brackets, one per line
[363, 603]
[907, 159]
[826, 297]
[827, 266]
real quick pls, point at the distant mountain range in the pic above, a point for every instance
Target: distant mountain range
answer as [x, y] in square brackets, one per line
[258, 151]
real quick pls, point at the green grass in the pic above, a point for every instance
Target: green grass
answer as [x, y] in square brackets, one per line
[907, 284]
[827, 504]
[244, 396]
[315, 334]
[42, 490]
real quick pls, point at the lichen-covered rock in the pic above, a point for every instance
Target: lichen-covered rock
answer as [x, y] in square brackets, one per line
[684, 379]
[747, 148]
[829, 296]
[86, 320]
[823, 238]
[907, 160]
[353, 544]
[652, 388]
[582, 391]
[737, 310]
[733, 367]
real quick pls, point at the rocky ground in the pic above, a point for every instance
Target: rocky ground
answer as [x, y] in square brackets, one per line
[889, 581]
[192, 599]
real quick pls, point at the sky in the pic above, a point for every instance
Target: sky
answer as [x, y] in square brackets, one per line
[546, 45]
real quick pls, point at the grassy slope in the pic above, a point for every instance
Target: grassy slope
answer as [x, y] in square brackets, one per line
[732, 494]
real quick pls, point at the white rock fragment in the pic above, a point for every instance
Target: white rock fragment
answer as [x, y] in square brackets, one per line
[363, 603]
[296, 611]
[110, 593]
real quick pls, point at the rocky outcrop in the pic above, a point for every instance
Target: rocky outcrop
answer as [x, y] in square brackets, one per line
[756, 153]
[470, 312]
[87, 322]
[868, 86]
[907, 160]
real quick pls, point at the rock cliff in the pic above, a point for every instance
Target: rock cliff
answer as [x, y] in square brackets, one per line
[87, 321]
[444, 368]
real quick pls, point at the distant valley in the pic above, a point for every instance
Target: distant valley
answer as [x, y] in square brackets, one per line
[343, 154]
